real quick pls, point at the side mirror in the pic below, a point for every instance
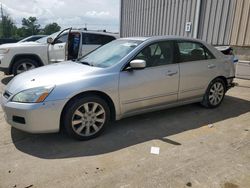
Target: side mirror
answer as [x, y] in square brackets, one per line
[137, 64]
[49, 40]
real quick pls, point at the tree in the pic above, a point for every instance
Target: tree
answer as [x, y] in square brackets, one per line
[7, 27]
[51, 28]
[21, 33]
[30, 26]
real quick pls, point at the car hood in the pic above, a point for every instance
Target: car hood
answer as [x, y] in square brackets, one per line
[54, 74]
[22, 44]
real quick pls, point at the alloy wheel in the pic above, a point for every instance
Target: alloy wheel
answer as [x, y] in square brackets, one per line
[24, 67]
[216, 93]
[88, 119]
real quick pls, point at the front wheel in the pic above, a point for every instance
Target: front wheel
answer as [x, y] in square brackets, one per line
[215, 94]
[23, 65]
[86, 118]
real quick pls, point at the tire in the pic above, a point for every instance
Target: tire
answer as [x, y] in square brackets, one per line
[81, 122]
[23, 65]
[215, 94]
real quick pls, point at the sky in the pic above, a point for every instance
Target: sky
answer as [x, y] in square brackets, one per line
[95, 14]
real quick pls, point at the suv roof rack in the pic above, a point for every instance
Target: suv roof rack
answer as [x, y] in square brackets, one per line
[97, 30]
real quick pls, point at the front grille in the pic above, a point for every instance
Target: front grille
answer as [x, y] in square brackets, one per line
[6, 94]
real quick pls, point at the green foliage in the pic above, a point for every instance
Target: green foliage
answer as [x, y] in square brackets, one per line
[30, 26]
[51, 28]
[7, 27]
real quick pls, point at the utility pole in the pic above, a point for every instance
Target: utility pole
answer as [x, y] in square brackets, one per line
[1, 10]
[3, 22]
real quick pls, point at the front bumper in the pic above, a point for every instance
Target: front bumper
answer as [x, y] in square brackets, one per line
[34, 117]
[4, 64]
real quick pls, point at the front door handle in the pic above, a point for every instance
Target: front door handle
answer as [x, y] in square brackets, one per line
[171, 73]
[210, 66]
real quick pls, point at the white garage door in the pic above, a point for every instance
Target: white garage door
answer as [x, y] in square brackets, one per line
[243, 69]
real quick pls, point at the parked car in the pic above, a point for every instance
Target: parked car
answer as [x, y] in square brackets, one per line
[61, 46]
[122, 78]
[32, 38]
[228, 50]
[242, 67]
[6, 40]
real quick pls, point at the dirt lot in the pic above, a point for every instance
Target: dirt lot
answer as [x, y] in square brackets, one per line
[198, 148]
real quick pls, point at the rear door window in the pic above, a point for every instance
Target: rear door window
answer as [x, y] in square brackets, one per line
[193, 51]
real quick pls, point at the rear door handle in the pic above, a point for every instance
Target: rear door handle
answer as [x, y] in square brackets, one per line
[171, 73]
[210, 66]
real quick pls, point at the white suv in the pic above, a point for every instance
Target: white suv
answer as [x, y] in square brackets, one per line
[68, 44]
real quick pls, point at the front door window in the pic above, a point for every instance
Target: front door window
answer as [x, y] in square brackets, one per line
[157, 54]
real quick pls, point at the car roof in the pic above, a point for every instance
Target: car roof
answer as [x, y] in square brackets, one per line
[152, 38]
[116, 35]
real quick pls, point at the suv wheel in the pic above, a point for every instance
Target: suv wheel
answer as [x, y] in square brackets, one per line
[214, 94]
[86, 118]
[23, 65]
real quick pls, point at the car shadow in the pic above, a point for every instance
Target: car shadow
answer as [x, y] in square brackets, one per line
[130, 131]
[6, 80]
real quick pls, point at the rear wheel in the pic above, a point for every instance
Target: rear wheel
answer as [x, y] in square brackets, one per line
[86, 118]
[215, 94]
[23, 65]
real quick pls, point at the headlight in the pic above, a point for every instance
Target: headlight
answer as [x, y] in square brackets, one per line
[4, 50]
[34, 95]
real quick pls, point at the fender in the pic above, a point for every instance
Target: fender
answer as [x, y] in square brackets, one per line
[17, 56]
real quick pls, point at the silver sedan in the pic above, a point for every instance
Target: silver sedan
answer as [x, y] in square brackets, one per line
[123, 78]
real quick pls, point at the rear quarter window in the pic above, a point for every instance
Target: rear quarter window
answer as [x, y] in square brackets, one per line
[96, 39]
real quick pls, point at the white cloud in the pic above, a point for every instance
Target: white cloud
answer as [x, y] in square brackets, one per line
[97, 14]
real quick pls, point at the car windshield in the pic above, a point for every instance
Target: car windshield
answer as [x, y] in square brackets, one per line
[110, 53]
[32, 38]
[44, 39]
[25, 39]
